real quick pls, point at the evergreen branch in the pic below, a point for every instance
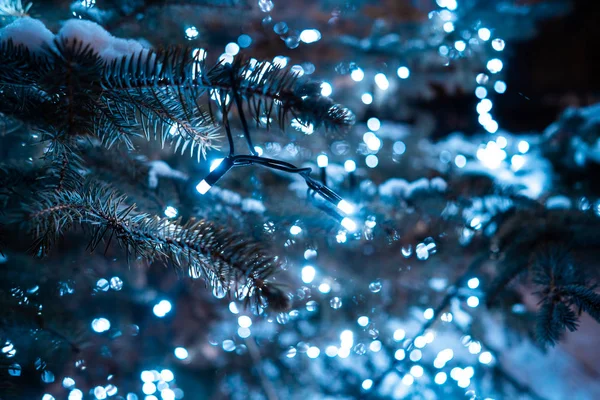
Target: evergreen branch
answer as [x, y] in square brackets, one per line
[226, 260]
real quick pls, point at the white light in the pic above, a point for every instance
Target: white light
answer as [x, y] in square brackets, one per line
[167, 394]
[485, 118]
[313, 352]
[473, 283]
[147, 376]
[484, 106]
[460, 161]
[473, 301]
[308, 274]
[440, 378]
[350, 166]
[460, 45]
[203, 187]
[468, 372]
[408, 380]
[523, 146]
[149, 388]
[502, 142]
[375, 346]
[474, 347]
[374, 124]
[367, 98]
[500, 87]
[382, 81]
[485, 357]
[348, 224]
[295, 230]
[280, 61]
[244, 321]
[420, 342]
[191, 33]
[516, 162]
[415, 355]
[215, 164]
[363, 321]
[403, 72]
[456, 373]
[345, 207]
[448, 27]
[481, 92]
[226, 59]
[367, 384]
[374, 144]
[491, 127]
[347, 339]
[357, 75]
[344, 352]
[400, 354]
[181, 353]
[258, 150]
[451, 5]
[232, 49]
[170, 212]
[445, 355]
[167, 375]
[100, 325]
[399, 334]
[399, 147]
[322, 160]
[372, 160]
[162, 308]
[495, 65]
[243, 332]
[326, 89]
[331, 351]
[233, 308]
[310, 35]
[47, 396]
[484, 34]
[324, 288]
[498, 44]
[416, 371]
[428, 314]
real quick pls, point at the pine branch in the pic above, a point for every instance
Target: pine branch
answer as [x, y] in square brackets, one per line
[226, 260]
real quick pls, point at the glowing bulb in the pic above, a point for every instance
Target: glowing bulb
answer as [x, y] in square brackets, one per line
[374, 124]
[203, 187]
[170, 212]
[440, 378]
[428, 314]
[500, 87]
[363, 321]
[473, 283]
[348, 224]
[295, 230]
[495, 65]
[162, 308]
[215, 164]
[371, 160]
[498, 44]
[244, 321]
[400, 354]
[460, 161]
[350, 166]
[232, 49]
[484, 34]
[485, 357]
[473, 301]
[357, 75]
[481, 92]
[324, 288]
[367, 98]
[460, 45]
[382, 81]
[484, 106]
[367, 384]
[310, 35]
[322, 161]
[181, 353]
[345, 207]
[399, 334]
[100, 325]
[326, 89]
[308, 274]
[403, 72]
[448, 27]
[516, 162]
[347, 338]
[523, 146]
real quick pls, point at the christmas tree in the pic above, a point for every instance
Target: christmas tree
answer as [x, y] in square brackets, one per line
[386, 237]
